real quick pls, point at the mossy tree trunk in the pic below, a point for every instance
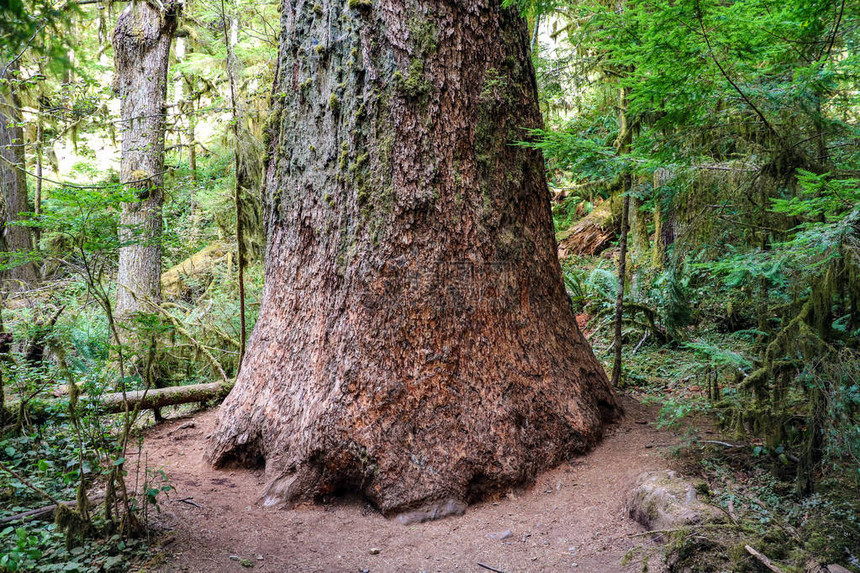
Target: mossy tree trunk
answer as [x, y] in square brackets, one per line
[141, 42]
[639, 240]
[415, 343]
[622, 145]
[664, 219]
[13, 179]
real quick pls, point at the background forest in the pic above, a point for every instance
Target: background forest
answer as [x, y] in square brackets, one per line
[703, 159]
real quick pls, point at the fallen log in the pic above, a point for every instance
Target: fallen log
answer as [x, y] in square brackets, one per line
[199, 266]
[591, 235]
[159, 397]
[47, 513]
[114, 402]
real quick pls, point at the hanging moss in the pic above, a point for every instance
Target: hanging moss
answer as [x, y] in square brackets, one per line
[75, 526]
[806, 338]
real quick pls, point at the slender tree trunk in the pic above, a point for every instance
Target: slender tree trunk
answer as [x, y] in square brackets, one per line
[415, 342]
[5, 346]
[658, 251]
[617, 342]
[638, 223]
[192, 146]
[240, 171]
[638, 244]
[622, 145]
[37, 195]
[141, 43]
[179, 103]
[15, 238]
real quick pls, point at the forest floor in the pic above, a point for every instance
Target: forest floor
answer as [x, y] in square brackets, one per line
[571, 519]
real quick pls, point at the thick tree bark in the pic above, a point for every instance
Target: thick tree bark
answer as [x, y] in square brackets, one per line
[415, 342]
[13, 179]
[141, 42]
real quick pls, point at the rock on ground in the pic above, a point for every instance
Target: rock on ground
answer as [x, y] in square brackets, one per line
[662, 500]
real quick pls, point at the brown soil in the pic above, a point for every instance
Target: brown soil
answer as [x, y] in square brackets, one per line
[572, 519]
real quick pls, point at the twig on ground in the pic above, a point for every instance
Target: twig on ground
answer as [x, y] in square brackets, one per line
[764, 560]
[726, 444]
[189, 501]
[488, 568]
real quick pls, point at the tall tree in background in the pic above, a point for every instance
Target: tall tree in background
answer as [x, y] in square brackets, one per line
[13, 179]
[141, 42]
[415, 342]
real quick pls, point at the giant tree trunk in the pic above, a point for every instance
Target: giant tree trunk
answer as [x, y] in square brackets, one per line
[141, 42]
[13, 182]
[415, 343]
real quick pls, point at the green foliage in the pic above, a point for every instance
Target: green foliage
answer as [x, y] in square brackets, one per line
[42, 549]
[68, 445]
[742, 126]
[671, 299]
[820, 196]
[591, 291]
[792, 531]
[566, 211]
[717, 356]
[582, 148]
[60, 443]
[743, 158]
[35, 24]
[84, 222]
[26, 548]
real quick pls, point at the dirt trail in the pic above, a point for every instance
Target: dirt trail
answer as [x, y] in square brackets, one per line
[570, 520]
